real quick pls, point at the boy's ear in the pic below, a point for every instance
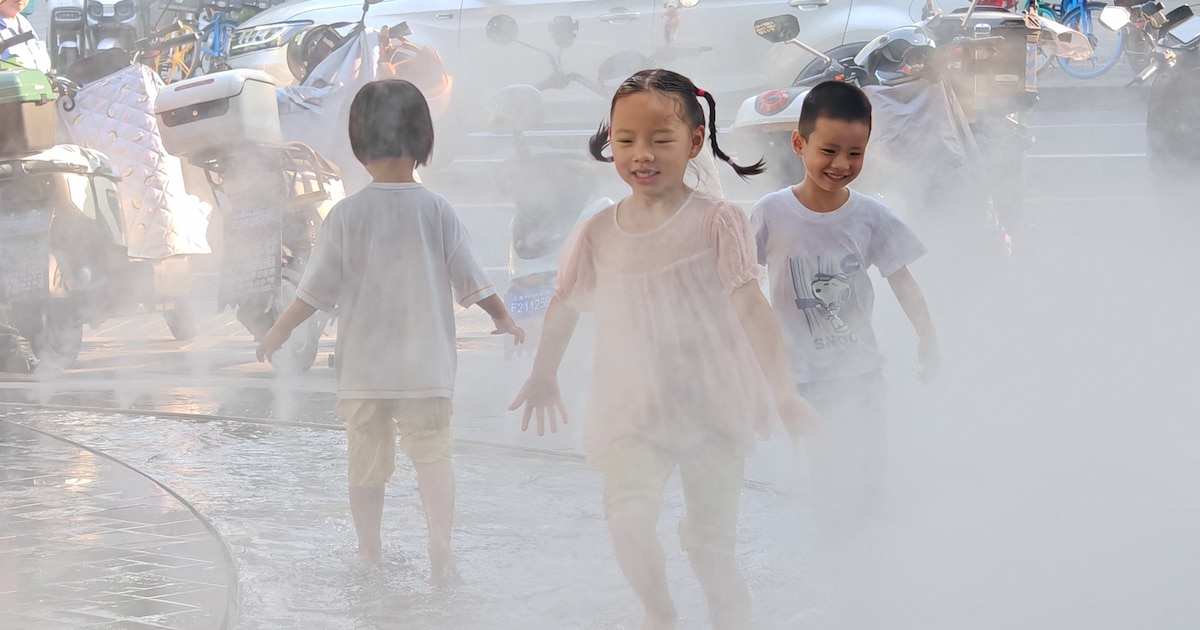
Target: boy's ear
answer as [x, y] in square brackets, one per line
[697, 141]
[797, 142]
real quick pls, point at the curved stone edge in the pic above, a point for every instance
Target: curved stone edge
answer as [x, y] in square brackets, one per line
[232, 590]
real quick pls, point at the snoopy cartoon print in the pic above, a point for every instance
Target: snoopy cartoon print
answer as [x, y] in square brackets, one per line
[831, 292]
[823, 292]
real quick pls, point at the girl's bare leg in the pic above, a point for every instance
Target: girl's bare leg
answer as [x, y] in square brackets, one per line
[724, 588]
[366, 507]
[435, 482]
[640, 554]
[712, 485]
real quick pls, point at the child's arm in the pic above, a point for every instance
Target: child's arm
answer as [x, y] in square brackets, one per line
[762, 329]
[540, 392]
[296, 313]
[908, 293]
[494, 306]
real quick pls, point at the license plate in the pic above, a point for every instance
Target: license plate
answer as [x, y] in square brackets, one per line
[529, 300]
[24, 257]
[253, 258]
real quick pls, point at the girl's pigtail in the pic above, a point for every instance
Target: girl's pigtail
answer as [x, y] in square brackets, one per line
[742, 171]
[599, 142]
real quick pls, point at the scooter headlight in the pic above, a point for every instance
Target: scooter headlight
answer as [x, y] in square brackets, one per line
[95, 10]
[66, 15]
[126, 9]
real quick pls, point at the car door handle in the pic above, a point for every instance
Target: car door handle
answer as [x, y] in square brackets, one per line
[621, 16]
[797, 4]
[444, 16]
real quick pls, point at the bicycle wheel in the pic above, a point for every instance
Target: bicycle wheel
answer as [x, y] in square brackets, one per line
[217, 37]
[1106, 44]
[178, 63]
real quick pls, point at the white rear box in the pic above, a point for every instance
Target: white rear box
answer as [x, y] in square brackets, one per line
[218, 112]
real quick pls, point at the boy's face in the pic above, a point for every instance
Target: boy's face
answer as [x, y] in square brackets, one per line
[833, 153]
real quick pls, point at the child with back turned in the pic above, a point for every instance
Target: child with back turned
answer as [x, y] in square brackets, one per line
[684, 337]
[393, 258]
[817, 239]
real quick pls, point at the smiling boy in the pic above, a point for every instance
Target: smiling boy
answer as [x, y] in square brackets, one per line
[817, 239]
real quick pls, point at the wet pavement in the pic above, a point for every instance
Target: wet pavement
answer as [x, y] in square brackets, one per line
[87, 542]
[530, 533]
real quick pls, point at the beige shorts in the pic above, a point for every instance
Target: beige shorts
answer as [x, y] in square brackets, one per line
[636, 473]
[423, 425]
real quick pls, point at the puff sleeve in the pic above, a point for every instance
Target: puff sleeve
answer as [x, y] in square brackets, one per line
[737, 253]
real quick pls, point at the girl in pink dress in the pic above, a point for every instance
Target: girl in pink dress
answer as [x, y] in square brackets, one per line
[684, 338]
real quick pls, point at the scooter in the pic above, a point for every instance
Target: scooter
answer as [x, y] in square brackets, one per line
[113, 24]
[63, 254]
[67, 36]
[552, 190]
[272, 195]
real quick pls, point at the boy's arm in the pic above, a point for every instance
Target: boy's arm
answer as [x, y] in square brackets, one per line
[912, 301]
[296, 313]
[761, 328]
[494, 306]
[540, 392]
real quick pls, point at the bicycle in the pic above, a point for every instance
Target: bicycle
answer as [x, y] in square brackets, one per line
[1084, 16]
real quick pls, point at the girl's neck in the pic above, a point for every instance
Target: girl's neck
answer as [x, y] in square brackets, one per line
[391, 170]
[819, 200]
[642, 213]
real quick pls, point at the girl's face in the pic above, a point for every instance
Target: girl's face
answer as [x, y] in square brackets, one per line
[651, 143]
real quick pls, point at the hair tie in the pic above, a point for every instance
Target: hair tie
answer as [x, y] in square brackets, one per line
[699, 92]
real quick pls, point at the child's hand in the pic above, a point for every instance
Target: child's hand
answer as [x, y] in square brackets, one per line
[271, 342]
[541, 395]
[507, 326]
[930, 359]
[799, 417]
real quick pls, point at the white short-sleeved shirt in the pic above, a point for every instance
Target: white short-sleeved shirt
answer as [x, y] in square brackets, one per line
[30, 55]
[817, 264]
[394, 258]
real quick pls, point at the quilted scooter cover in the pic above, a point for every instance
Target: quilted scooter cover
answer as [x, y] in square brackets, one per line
[115, 115]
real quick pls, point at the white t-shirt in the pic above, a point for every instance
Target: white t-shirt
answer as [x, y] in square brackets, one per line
[394, 258]
[30, 55]
[817, 264]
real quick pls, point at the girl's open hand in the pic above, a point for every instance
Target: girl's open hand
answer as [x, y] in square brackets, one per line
[799, 417]
[507, 326]
[541, 395]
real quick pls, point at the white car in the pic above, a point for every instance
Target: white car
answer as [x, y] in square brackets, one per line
[603, 41]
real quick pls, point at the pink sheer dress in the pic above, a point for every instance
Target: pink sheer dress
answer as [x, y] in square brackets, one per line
[672, 363]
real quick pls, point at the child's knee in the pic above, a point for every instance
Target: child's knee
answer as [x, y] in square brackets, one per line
[428, 447]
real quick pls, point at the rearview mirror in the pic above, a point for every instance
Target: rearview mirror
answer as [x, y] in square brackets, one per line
[502, 30]
[778, 29]
[1114, 18]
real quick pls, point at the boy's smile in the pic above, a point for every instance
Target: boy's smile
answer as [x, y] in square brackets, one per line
[833, 157]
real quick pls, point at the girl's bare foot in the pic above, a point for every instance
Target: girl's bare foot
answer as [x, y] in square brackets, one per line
[443, 571]
[369, 555]
[659, 619]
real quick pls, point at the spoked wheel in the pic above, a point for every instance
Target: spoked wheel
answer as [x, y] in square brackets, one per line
[299, 352]
[1106, 44]
[178, 63]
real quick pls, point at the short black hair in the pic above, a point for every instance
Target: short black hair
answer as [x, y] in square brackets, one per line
[836, 100]
[390, 119]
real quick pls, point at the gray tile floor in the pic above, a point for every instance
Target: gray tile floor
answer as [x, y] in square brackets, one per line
[86, 542]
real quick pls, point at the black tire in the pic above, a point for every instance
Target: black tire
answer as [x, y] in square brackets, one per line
[59, 335]
[299, 352]
[182, 321]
